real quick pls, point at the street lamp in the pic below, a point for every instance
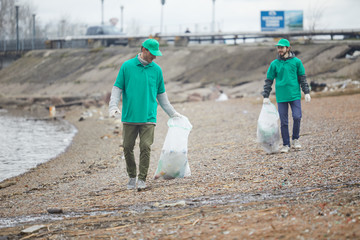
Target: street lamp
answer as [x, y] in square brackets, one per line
[213, 18]
[162, 15]
[34, 32]
[122, 18]
[62, 30]
[102, 12]
[17, 28]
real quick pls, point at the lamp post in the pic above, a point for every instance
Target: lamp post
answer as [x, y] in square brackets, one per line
[213, 17]
[62, 30]
[122, 18]
[162, 15]
[102, 12]
[17, 28]
[34, 32]
[213, 22]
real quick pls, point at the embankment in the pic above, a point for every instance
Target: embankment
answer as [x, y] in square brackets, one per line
[191, 73]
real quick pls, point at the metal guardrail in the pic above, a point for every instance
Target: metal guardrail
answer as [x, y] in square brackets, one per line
[178, 39]
[213, 37]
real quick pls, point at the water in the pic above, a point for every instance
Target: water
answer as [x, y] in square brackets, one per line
[25, 143]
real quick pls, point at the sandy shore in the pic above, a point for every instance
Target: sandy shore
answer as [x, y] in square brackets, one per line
[236, 191]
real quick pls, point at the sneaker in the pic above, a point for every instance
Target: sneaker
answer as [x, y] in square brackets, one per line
[285, 149]
[141, 185]
[296, 144]
[131, 184]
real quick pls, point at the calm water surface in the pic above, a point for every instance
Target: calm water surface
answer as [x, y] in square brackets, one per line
[25, 143]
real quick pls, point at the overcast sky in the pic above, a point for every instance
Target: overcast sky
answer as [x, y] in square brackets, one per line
[144, 16]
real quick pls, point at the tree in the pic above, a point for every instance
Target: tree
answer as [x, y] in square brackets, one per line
[315, 14]
[64, 27]
[7, 18]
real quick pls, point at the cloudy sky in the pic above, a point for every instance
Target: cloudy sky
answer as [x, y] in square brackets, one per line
[144, 16]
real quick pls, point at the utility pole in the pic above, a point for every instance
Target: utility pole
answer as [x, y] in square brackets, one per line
[34, 32]
[162, 15]
[122, 18]
[102, 12]
[17, 28]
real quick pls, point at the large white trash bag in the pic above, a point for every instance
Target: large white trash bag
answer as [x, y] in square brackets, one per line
[173, 162]
[268, 134]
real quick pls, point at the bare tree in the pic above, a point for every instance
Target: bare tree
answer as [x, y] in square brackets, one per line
[8, 19]
[64, 27]
[315, 14]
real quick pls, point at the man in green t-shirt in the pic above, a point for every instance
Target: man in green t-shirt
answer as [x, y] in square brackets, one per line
[141, 84]
[289, 73]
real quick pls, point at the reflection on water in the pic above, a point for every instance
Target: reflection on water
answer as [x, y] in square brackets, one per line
[26, 143]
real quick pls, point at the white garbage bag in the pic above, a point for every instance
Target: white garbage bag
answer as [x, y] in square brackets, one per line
[173, 162]
[268, 134]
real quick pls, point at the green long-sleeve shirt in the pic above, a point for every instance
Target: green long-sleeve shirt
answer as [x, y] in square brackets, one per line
[288, 74]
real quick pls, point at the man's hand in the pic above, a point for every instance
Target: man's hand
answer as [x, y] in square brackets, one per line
[114, 113]
[266, 101]
[176, 114]
[307, 98]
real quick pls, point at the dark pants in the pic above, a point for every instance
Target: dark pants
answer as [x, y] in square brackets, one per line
[283, 108]
[146, 134]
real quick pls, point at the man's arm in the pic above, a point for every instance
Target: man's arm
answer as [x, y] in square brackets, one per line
[114, 101]
[267, 88]
[303, 84]
[305, 87]
[166, 105]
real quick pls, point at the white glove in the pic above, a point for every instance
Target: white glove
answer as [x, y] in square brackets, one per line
[266, 101]
[307, 98]
[176, 114]
[114, 113]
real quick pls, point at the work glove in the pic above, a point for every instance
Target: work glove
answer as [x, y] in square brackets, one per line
[307, 98]
[114, 113]
[266, 101]
[176, 114]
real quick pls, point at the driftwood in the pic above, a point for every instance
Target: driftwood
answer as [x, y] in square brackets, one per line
[46, 118]
[68, 104]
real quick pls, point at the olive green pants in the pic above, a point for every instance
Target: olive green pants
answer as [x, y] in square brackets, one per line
[146, 135]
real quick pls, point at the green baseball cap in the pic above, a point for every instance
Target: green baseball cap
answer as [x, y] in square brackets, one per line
[283, 43]
[153, 46]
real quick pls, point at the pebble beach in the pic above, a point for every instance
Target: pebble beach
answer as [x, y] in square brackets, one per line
[235, 191]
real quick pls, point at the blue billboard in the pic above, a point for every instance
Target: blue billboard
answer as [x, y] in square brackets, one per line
[281, 20]
[272, 20]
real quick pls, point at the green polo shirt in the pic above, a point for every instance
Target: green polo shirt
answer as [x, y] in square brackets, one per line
[286, 73]
[140, 86]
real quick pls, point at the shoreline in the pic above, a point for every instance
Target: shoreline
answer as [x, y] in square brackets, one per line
[51, 136]
[224, 160]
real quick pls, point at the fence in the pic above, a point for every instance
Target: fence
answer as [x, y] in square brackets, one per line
[24, 44]
[179, 40]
